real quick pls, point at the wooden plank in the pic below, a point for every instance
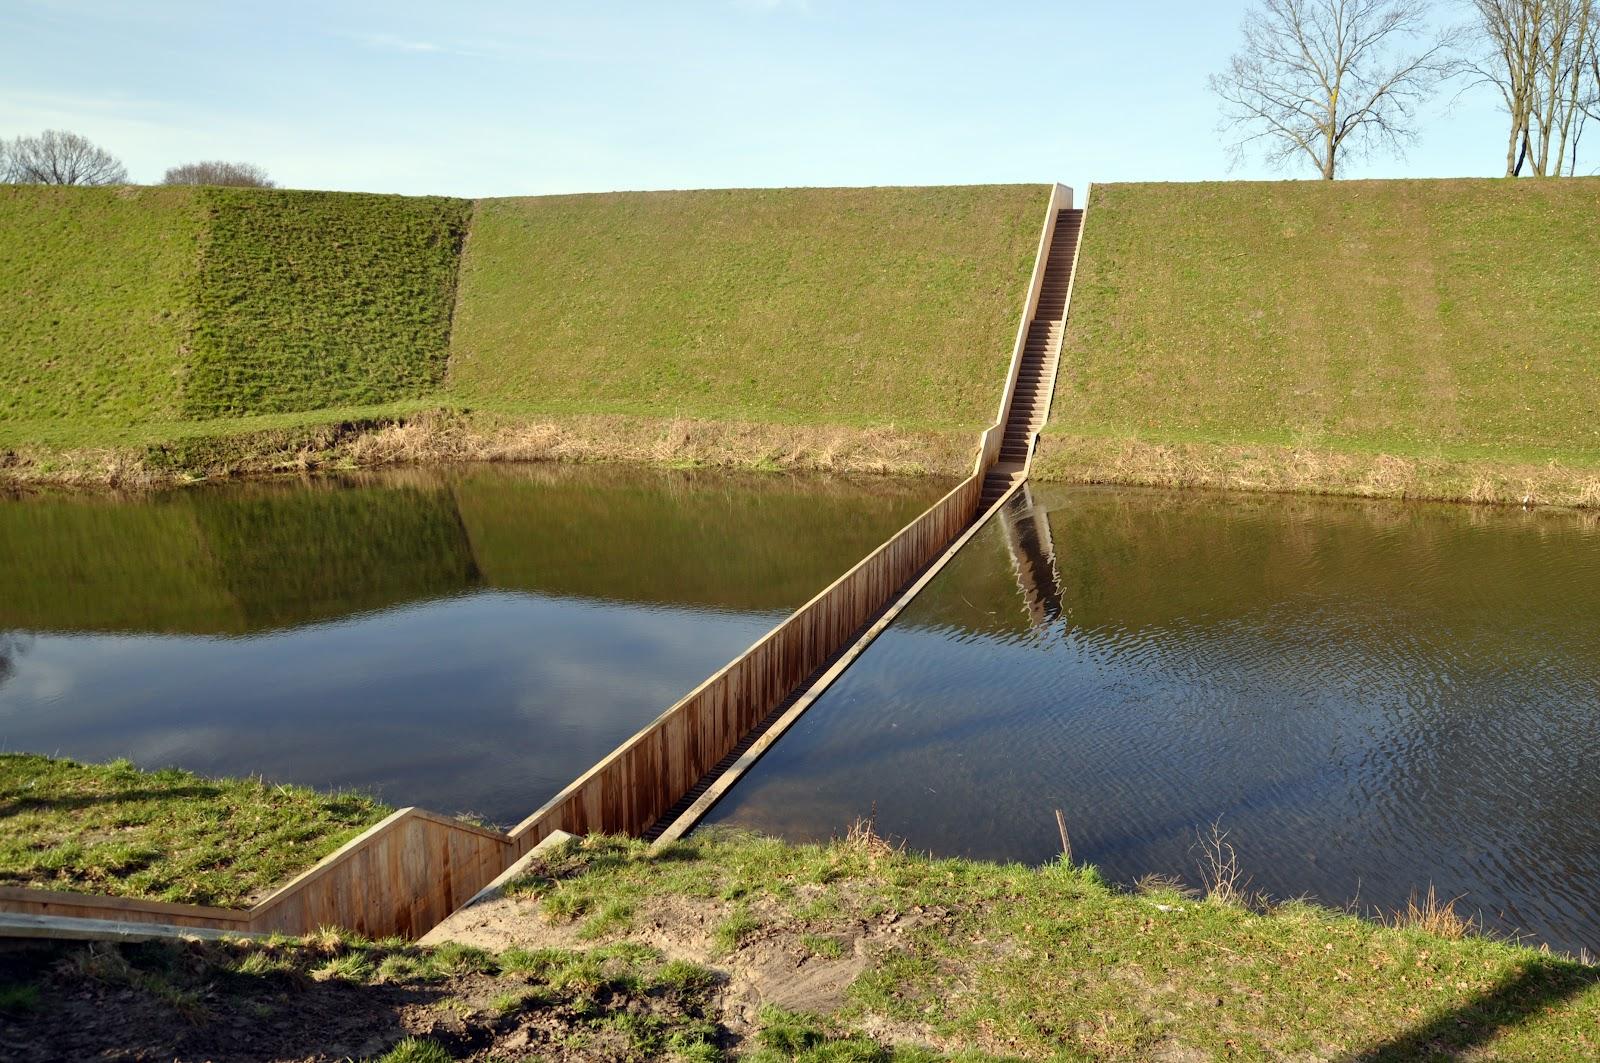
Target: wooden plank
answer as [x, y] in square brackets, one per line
[22, 899]
[66, 928]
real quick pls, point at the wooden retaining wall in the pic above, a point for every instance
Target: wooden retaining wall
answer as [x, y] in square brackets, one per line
[634, 786]
[399, 877]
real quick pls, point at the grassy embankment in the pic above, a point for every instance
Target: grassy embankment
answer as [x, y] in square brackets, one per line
[240, 330]
[149, 331]
[727, 945]
[165, 835]
[1420, 338]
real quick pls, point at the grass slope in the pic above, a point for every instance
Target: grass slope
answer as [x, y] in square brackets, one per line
[1435, 320]
[860, 306]
[163, 835]
[309, 300]
[95, 304]
[142, 314]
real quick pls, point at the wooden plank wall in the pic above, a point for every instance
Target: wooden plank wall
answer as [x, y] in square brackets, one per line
[399, 877]
[639, 781]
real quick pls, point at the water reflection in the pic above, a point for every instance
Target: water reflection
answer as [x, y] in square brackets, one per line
[464, 640]
[1372, 697]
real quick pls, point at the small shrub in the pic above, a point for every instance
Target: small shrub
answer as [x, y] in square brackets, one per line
[352, 967]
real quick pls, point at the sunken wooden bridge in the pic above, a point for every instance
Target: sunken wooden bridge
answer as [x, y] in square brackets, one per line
[406, 874]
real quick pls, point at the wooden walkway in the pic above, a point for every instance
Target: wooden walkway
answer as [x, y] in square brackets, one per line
[409, 872]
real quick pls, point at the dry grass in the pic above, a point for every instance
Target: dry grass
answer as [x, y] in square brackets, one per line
[445, 436]
[861, 838]
[1432, 916]
[1263, 467]
[1220, 873]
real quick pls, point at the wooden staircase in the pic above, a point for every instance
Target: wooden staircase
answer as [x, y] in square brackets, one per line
[1041, 354]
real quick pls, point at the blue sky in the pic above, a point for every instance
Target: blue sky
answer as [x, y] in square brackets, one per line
[500, 98]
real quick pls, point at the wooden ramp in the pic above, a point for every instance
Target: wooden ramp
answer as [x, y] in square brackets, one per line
[409, 872]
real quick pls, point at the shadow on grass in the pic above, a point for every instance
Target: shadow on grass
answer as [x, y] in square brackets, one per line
[162, 1000]
[77, 801]
[1543, 983]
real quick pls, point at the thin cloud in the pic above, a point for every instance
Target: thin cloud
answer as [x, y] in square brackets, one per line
[803, 6]
[388, 42]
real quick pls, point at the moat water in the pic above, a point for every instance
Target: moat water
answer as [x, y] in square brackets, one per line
[1369, 698]
[466, 640]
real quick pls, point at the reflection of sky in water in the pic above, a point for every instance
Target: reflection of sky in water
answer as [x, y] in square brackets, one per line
[488, 702]
[462, 639]
[1371, 698]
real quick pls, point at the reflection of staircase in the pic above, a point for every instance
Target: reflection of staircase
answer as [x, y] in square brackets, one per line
[1033, 557]
[1041, 353]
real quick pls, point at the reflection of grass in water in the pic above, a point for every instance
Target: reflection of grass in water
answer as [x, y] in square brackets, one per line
[735, 542]
[166, 835]
[257, 556]
[301, 555]
[90, 564]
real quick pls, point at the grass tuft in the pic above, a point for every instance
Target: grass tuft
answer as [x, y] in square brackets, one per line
[1433, 917]
[416, 1050]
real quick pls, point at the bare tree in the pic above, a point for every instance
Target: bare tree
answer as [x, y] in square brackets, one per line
[1317, 80]
[1541, 56]
[58, 157]
[216, 172]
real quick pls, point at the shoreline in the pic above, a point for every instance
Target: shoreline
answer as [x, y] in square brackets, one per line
[449, 437]
[736, 946]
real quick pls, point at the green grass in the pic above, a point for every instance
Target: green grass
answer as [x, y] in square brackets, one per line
[811, 306]
[163, 835]
[1053, 963]
[1421, 338]
[154, 333]
[95, 304]
[144, 315]
[1425, 319]
[966, 961]
[310, 300]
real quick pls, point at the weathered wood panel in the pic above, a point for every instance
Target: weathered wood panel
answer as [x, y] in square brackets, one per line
[60, 904]
[632, 787]
[401, 877]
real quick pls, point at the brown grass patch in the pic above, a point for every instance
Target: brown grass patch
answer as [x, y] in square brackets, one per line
[446, 436]
[1432, 916]
[1267, 468]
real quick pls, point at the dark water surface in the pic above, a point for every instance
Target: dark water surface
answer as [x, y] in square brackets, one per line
[1369, 697]
[465, 640]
